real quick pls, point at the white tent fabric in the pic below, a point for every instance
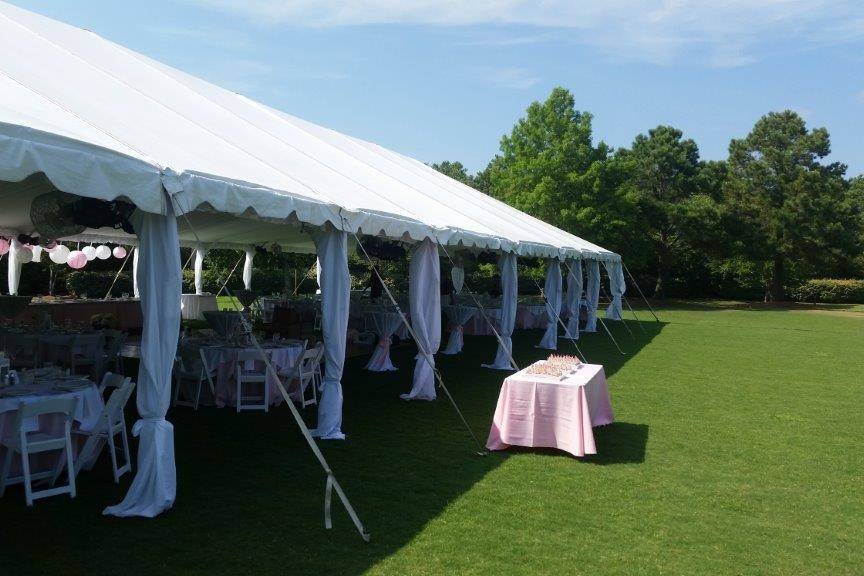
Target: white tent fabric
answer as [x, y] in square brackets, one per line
[14, 273]
[573, 297]
[457, 276]
[509, 295]
[592, 295]
[332, 248]
[155, 484]
[200, 254]
[247, 268]
[103, 121]
[615, 271]
[424, 297]
[552, 291]
[136, 291]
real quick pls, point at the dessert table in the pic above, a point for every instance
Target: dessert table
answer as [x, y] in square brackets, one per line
[457, 317]
[223, 359]
[87, 411]
[540, 411]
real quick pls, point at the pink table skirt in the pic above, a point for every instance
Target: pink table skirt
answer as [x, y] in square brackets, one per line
[224, 359]
[537, 411]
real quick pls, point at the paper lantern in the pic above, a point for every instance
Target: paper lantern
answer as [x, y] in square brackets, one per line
[89, 252]
[59, 255]
[119, 252]
[103, 252]
[25, 255]
[77, 259]
[4, 246]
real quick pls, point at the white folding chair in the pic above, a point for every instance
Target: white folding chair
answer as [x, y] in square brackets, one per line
[26, 443]
[111, 423]
[195, 373]
[111, 380]
[244, 377]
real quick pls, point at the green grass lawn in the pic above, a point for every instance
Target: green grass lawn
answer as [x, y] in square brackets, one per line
[737, 450]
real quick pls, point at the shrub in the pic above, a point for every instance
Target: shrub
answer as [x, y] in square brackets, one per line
[96, 284]
[830, 290]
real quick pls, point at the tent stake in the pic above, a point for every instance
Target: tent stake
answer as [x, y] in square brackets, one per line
[632, 279]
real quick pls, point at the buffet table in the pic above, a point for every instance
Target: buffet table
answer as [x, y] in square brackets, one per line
[540, 411]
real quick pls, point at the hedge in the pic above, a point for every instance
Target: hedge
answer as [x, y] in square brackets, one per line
[96, 284]
[264, 282]
[830, 290]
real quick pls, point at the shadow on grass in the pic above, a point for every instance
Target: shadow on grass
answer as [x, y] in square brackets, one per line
[250, 493]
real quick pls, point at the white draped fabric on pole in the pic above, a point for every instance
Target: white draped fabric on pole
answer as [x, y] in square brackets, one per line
[155, 484]
[615, 271]
[509, 295]
[573, 297]
[136, 291]
[424, 295]
[592, 295]
[335, 283]
[200, 253]
[457, 276]
[14, 274]
[386, 324]
[552, 291]
[247, 268]
[457, 317]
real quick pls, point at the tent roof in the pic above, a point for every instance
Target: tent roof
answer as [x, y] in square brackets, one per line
[102, 121]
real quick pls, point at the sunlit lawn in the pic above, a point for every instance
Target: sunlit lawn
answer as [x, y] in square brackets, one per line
[737, 450]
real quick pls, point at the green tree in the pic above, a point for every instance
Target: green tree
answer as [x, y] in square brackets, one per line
[664, 182]
[454, 170]
[788, 203]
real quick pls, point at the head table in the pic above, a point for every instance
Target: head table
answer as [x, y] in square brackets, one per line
[539, 411]
[42, 385]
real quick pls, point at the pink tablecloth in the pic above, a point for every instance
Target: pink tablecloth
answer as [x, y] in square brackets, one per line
[541, 412]
[224, 360]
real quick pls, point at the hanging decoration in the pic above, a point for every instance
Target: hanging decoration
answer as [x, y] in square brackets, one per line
[4, 246]
[59, 255]
[103, 252]
[77, 259]
[89, 252]
[119, 252]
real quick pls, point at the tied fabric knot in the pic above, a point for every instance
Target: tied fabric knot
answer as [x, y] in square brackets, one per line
[384, 343]
[139, 424]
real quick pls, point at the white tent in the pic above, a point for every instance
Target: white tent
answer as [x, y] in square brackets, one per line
[210, 168]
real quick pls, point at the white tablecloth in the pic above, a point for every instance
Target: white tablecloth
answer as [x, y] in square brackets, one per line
[193, 306]
[457, 317]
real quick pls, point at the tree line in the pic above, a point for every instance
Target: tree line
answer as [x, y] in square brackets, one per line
[771, 215]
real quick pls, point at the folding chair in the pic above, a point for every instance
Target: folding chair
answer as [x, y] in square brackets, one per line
[244, 377]
[111, 423]
[26, 443]
[196, 373]
[111, 380]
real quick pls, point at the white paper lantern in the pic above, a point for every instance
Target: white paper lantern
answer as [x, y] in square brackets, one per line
[59, 255]
[25, 255]
[77, 259]
[89, 252]
[119, 252]
[103, 252]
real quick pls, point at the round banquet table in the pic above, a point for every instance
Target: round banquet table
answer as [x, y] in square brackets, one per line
[457, 317]
[530, 316]
[86, 416]
[223, 359]
[384, 324]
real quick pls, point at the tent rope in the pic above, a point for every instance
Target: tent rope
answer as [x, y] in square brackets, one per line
[602, 323]
[632, 279]
[116, 276]
[550, 308]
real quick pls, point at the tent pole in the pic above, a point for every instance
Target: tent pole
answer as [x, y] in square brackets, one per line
[116, 276]
[331, 477]
[481, 449]
[632, 279]
[482, 310]
[560, 322]
[622, 318]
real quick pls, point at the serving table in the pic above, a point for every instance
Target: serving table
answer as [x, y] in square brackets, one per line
[539, 411]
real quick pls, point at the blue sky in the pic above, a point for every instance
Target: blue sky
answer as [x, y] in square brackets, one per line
[444, 79]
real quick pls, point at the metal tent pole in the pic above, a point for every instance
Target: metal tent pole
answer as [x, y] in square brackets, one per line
[632, 279]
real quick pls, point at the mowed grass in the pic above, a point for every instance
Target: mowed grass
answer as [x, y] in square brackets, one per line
[737, 450]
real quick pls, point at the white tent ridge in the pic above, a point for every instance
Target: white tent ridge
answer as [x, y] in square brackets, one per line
[66, 102]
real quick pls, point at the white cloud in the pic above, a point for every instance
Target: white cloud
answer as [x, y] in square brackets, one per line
[519, 78]
[718, 32]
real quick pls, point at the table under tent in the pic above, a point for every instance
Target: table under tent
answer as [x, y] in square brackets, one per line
[135, 152]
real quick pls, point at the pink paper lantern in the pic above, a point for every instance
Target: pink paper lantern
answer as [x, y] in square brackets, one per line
[77, 259]
[119, 252]
[4, 246]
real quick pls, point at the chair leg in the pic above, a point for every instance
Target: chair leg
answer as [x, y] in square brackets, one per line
[70, 466]
[239, 399]
[197, 395]
[126, 453]
[113, 450]
[266, 394]
[25, 469]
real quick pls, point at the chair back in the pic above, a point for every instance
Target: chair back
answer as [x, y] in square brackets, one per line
[60, 406]
[111, 380]
[113, 411]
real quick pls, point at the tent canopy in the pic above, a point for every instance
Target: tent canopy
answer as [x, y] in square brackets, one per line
[87, 116]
